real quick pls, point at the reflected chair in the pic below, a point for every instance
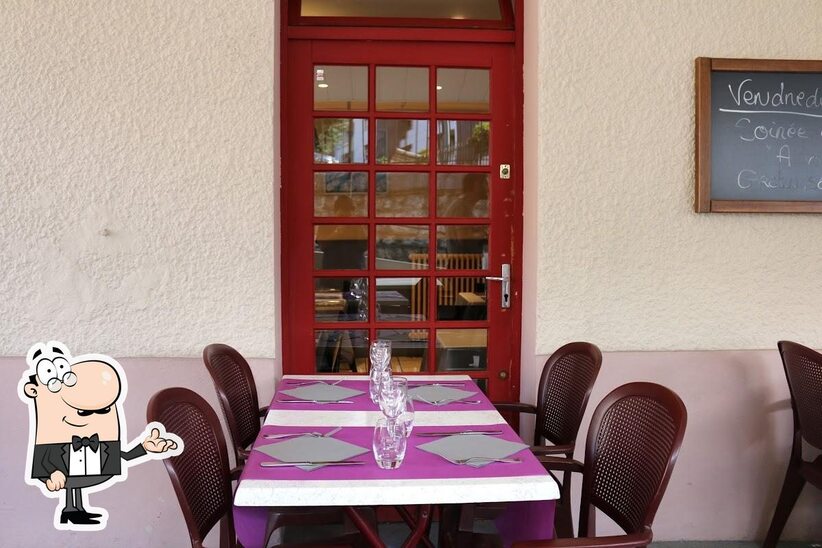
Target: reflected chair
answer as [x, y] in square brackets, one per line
[565, 386]
[238, 395]
[202, 478]
[803, 369]
[632, 446]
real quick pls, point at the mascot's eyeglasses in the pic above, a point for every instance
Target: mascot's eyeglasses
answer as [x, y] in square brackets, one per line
[55, 384]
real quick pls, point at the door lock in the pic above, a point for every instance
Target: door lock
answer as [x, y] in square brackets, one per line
[505, 171]
[505, 278]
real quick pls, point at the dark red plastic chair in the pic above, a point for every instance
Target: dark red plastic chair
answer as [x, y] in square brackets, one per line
[632, 446]
[565, 386]
[202, 478]
[564, 389]
[200, 474]
[238, 395]
[803, 369]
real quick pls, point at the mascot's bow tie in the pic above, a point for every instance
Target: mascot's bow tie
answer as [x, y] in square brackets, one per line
[77, 442]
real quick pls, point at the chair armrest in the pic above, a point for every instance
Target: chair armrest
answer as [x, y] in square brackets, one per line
[234, 473]
[560, 464]
[552, 449]
[515, 406]
[634, 540]
[263, 411]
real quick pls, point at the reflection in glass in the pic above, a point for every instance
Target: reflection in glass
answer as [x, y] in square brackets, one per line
[341, 351]
[340, 194]
[402, 246]
[415, 9]
[340, 141]
[461, 298]
[462, 90]
[402, 194]
[341, 299]
[408, 349]
[340, 88]
[402, 89]
[402, 141]
[462, 194]
[462, 247]
[462, 349]
[340, 246]
[402, 299]
[463, 142]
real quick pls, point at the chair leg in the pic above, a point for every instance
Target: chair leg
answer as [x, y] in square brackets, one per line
[563, 522]
[787, 498]
[449, 525]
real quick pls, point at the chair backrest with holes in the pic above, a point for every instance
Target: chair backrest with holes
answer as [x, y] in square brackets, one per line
[632, 446]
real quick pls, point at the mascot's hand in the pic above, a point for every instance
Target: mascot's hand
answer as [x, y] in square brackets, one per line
[155, 444]
[56, 481]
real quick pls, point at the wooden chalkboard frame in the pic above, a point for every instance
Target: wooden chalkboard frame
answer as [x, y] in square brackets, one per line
[704, 70]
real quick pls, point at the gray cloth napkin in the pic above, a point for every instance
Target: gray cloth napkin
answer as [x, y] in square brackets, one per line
[312, 448]
[322, 392]
[464, 447]
[438, 395]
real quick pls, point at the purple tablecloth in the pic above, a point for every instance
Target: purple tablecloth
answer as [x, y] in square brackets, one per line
[521, 521]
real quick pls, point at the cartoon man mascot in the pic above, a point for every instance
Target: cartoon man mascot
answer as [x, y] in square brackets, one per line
[75, 434]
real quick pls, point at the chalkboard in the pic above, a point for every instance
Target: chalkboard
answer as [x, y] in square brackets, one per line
[759, 135]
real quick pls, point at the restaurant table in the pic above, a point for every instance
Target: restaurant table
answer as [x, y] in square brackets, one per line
[423, 479]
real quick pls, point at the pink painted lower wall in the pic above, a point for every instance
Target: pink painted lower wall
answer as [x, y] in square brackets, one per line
[724, 487]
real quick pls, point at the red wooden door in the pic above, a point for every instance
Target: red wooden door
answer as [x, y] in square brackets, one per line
[396, 207]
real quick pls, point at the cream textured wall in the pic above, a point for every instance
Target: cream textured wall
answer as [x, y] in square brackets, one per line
[136, 176]
[622, 258]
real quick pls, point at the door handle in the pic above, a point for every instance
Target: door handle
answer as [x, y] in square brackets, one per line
[505, 278]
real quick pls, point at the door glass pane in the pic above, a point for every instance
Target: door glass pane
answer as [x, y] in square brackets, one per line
[402, 89]
[462, 195]
[341, 350]
[402, 141]
[340, 246]
[415, 9]
[408, 349]
[402, 247]
[402, 299]
[462, 247]
[340, 141]
[461, 298]
[341, 299]
[462, 349]
[463, 142]
[340, 194]
[340, 88]
[463, 90]
[402, 194]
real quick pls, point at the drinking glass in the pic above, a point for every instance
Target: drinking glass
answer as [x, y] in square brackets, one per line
[380, 357]
[393, 396]
[389, 444]
[380, 353]
[376, 378]
[406, 418]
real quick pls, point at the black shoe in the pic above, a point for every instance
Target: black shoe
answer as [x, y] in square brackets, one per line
[78, 518]
[89, 514]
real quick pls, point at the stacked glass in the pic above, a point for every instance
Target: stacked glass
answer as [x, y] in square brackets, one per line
[391, 394]
[380, 354]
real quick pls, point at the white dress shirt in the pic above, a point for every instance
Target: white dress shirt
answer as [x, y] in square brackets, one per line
[84, 461]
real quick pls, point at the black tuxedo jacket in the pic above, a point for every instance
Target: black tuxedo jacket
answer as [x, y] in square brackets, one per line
[49, 457]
